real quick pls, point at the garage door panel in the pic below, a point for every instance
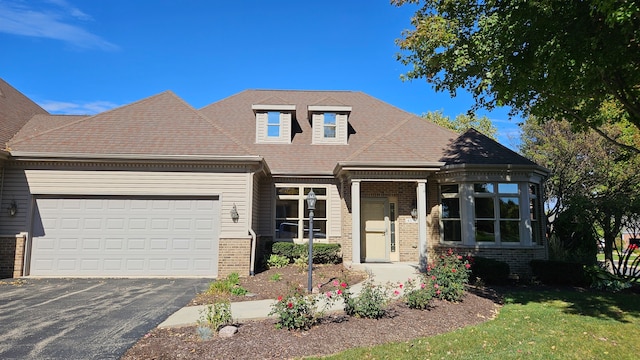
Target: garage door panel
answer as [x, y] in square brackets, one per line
[125, 237]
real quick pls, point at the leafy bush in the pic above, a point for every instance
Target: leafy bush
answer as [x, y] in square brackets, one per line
[371, 303]
[449, 274]
[322, 253]
[229, 285]
[559, 272]
[214, 317]
[295, 311]
[601, 279]
[302, 262]
[277, 261]
[419, 298]
[490, 271]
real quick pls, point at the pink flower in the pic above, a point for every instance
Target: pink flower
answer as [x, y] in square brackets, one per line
[319, 286]
[343, 284]
[328, 294]
[433, 277]
[438, 292]
[400, 285]
[459, 257]
[339, 292]
[280, 298]
[436, 286]
[290, 305]
[467, 266]
[453, 270]
[396, 292]
[421, 286]
[336, 283]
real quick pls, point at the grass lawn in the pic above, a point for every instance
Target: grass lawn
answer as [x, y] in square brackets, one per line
[534, 324]
[600, 257]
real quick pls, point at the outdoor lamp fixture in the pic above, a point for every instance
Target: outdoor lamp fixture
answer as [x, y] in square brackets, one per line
[311, 205]
[234, 214]
[13, 208]
[414, 213]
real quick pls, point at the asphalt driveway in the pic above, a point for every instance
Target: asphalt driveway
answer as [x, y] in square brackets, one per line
[85, 318]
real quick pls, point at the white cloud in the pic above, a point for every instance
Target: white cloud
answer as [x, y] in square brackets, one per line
[77, 108]
[53, 19]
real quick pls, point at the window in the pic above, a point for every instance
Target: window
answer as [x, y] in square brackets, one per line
[329, 125]
[273, 124]
[450, 217]
[292, 214]
[493, 213]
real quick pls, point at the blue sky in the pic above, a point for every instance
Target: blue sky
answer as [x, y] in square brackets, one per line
[86, 56]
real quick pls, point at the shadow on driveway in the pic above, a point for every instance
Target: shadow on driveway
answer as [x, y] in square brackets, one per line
[85, 318]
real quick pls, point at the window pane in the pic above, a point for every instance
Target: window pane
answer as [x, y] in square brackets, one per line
[484, 208]
[510, 188]
[286, 208]
[319, 229]
[449, 189]
[451, 208]
[286, 229]
[509, 208]
[318, 191]
[329, 118]
[509, 231]
[273, 118]
[320, 211]
[483, 188]
[452, 230]
[485, 231]
[330, 131]
[288, 191]
[273, 130]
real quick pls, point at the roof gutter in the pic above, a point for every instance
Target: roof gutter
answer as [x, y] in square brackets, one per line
[85, 157]
[387, 166]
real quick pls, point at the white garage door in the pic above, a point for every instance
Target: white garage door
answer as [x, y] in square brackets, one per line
[125, 237]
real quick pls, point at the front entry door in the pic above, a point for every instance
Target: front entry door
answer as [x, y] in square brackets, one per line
[375, 243]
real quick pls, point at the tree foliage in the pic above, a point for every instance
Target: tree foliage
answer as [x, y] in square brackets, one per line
[551, 59]
[462, 123]
[594, 187]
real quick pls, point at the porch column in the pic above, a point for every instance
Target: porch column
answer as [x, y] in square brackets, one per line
[355, 221]
[421, 194]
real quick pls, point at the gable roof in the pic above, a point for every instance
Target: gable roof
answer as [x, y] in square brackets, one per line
[473, 147]
[159, 125]
[378, 131]
[15, 111]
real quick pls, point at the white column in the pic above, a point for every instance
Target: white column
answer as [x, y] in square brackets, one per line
[421, 194]
[355, 221]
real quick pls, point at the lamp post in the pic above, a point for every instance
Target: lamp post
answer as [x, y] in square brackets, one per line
[311, 204]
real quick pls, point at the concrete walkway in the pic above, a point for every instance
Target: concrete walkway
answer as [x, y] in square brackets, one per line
[254, 310]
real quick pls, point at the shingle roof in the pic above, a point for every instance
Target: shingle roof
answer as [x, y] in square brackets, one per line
[379, 131]
[473, 147]
[159, 125]
[15, 110]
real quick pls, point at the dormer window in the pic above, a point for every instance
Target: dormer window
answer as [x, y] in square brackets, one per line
[273, 123]
[330, 123]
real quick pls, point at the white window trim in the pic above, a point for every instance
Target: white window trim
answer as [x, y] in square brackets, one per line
[302, 198]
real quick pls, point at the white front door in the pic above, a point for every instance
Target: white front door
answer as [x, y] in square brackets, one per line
[375, 244]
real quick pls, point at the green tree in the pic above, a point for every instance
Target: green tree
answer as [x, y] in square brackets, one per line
[462, 123]
[547, 58]
[592, 184]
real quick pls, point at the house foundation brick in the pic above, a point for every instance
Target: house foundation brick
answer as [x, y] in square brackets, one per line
[12, 256]
[234, 256]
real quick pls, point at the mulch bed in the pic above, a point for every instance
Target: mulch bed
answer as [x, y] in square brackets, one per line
[261, 339]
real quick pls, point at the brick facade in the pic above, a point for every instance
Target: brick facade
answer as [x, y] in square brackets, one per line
[12, 256]
[234, 255]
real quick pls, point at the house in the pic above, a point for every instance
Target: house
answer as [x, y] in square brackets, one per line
[158, 188]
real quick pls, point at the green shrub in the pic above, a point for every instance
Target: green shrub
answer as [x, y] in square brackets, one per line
[371, 303]
[559, 272]
[295, 311]
[214, 317]
[449, 274]
[229, 285]
[277, 261]
[322, 253]
[302, 262]
[490, 271]
[421, 297]
[601, 279]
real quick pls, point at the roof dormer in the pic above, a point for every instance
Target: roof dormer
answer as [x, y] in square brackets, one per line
[273, 123]
[330, 123]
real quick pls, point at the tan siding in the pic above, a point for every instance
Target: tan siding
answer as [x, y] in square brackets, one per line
[318, 130]
[265, 227]
[335, 213]
[255, 199]
[261, 127]
[14, 187]
[285, 127]
[316, 123]
[341, 131]
[231, 187]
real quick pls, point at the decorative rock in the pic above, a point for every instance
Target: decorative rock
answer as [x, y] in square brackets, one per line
[227, 331]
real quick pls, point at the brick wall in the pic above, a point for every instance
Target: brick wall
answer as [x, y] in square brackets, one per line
[517, 258]
[11, 256]
[234, 256]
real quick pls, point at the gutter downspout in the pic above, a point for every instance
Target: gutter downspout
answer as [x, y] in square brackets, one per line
[253, 252]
